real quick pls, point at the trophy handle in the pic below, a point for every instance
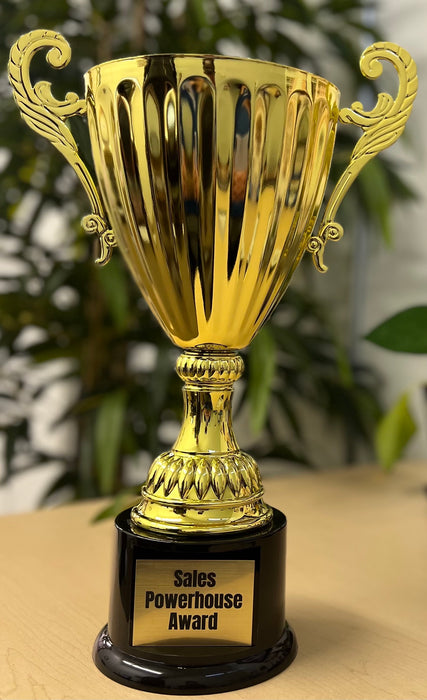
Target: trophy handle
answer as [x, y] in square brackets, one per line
[382, 126]
[47, 116]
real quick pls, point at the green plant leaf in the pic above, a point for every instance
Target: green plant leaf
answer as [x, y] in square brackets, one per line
[394, 432]
[108, 436]
[262, 366]
[376, 194]
[123, 500]
[64, 480]
[404, 332]
[114, 283]
[285, 452]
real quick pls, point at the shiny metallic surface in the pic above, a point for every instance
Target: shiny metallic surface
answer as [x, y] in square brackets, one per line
[212, 170]
[381, 127]
[211, 173]
[153, 624]
[205, 482]
[47, 116]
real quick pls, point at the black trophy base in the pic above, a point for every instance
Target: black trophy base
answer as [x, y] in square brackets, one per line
[252, 640]
[160, 677]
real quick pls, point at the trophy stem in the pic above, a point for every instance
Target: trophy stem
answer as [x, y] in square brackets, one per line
[205, 484]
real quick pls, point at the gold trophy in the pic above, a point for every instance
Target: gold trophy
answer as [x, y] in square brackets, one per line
[211, 172]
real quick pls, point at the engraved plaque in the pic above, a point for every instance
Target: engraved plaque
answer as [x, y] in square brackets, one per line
[193, 602]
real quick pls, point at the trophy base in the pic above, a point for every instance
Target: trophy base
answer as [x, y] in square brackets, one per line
[196, 614]
[160, 677]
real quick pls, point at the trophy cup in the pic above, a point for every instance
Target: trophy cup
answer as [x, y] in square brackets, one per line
[210, 175]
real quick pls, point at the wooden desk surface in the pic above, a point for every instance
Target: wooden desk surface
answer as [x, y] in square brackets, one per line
[356, 593]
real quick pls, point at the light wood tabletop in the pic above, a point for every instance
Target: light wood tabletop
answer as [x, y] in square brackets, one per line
[356, 592]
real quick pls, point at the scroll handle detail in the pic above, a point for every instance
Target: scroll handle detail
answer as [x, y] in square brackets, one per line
[46, 115]
[381, 126]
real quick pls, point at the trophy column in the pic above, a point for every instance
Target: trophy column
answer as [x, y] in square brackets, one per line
[205, 484]
[197, 602]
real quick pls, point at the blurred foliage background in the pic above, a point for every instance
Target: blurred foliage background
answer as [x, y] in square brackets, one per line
[65, 323]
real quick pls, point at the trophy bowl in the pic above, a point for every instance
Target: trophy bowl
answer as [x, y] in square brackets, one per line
[211, 172]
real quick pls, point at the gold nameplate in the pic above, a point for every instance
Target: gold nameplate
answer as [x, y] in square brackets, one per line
[193, 602]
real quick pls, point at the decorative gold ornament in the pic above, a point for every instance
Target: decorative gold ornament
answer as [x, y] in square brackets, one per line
[205, 480]
[212, 172]
[47, 115]
[382, 126]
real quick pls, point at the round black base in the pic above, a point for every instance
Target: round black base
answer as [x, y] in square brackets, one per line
[160, 677]
[247, 643]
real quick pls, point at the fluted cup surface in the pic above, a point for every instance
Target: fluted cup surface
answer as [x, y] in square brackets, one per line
[212, 171]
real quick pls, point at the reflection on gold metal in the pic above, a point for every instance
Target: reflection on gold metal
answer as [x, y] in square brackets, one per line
[47, 116]
[205, 481]
[193, 602]
[212, 172]
[382, 126]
